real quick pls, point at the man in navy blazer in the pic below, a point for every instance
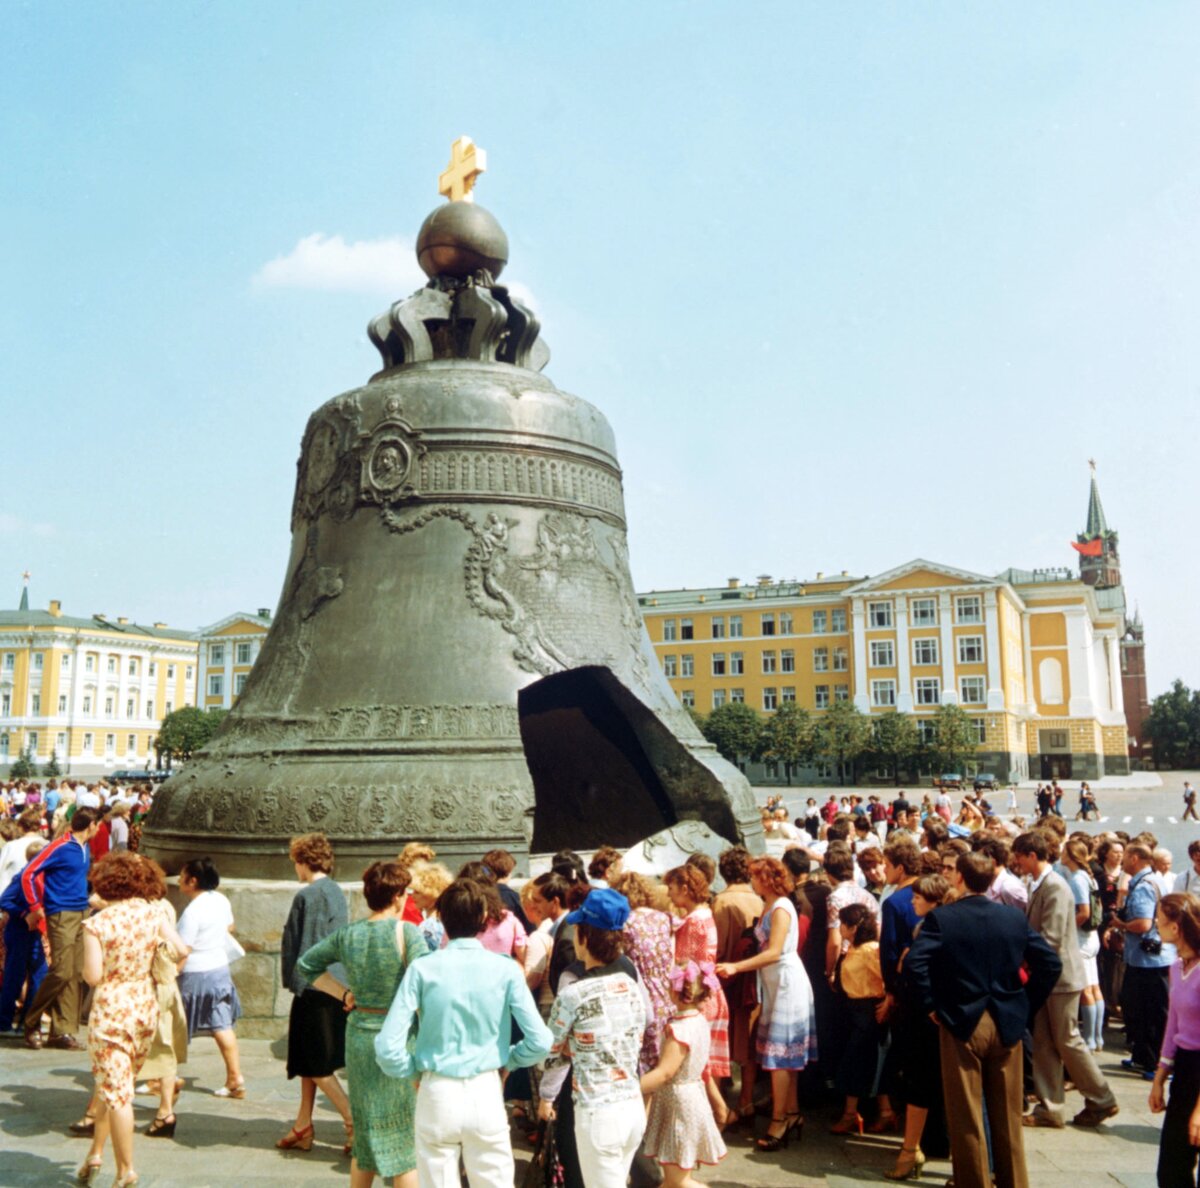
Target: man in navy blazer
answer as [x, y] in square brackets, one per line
[965, 966]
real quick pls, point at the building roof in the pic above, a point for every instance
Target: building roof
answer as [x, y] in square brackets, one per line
[1097, 525]
[39, 619]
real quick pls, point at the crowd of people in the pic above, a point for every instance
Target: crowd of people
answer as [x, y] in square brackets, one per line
[945, 981]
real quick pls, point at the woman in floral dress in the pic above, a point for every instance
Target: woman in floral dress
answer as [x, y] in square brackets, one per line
[375, 953]
[119, 943]
[649, 946]
[696, 940]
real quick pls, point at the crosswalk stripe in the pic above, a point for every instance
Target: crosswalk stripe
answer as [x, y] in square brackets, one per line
[1172, 820]
[1126, 820]
[1103, 819]
[1149, 820]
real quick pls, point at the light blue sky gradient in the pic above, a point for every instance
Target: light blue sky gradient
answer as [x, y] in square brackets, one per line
[853, 283]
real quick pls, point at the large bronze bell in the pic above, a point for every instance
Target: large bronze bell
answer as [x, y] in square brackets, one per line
[458, 655]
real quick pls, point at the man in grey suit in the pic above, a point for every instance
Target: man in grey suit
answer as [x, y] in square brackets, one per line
[1056, 1039]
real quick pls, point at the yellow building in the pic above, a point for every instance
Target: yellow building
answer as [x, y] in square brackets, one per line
[228, 650]
[1033, 657]
[91, 691]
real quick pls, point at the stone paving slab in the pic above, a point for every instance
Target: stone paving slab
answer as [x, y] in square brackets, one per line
[221, 1142]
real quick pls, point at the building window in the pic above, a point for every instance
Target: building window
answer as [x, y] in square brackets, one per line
[970, 649]
[922, 612]
[152, 670]
[65, 663]
[10, 661]
[60, 743]
[171, 672]
[737, 696]
[1057, 739]
[216, 654]
[841, 660]
[88, 742]
[820, 622]
[132, 666]
[62, 704]
[687, 665]
[787, 660]
[980, 725]
[89, 663]
[768, 624]
[821, 696]
[788, 693]
[670, 667]
[129, 708]
[718, 698]
[769, 662]
[242, 654]
[112, 664]
[718, 663]
[87, 703]
[670, 631]
[925, 651]
[150, 710]
[5, 704]
[39, 660]
[239, 682]
[823, 770]
[883, 654]
[131, 744]
[168, 708]
[688, 697]
[108, 707]
[35, 704]
[188, 674]
[685, 629]
[837, 619]
[735, 626]
[929, 690]
[883, 693]
[971, 690]
[879, 614]
[820, 659]
[785, 622]
[841, 692]
[110, 744]
[32, 740]
[737, 664]
[216, 684]
[926, 732]
[968, 608]
[718, 627]
[770, 699]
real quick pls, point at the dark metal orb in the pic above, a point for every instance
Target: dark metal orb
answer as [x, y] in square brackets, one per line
[460, 238]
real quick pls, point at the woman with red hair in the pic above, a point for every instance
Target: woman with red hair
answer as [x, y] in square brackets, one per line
[787, 1038]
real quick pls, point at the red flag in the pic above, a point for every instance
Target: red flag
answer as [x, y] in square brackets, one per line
[1091, 548]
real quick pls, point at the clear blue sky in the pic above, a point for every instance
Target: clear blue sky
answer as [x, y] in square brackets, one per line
[853, 283]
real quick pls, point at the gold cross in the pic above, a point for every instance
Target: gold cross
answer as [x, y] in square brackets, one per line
[466, 163]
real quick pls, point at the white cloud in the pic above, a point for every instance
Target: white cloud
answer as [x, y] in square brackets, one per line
[327, 262]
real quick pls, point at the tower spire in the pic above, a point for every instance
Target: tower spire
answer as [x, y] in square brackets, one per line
[25, 590]
[1097, 525]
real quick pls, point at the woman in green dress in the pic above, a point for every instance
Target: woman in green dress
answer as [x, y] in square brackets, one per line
[375, 953]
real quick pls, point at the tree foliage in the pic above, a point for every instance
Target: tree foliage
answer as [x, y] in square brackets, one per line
[954, 739]
[734, 729]
[842, 735]
[51, 769]
[896, 742]
[1174, 727]
[787, 737]
[184, 731]
[24, 767]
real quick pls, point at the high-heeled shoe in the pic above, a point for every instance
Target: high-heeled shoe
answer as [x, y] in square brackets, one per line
[238, 1090]
[126, 1181]
[89, 1168]
[301, 1140]
[909, 1165]
[775, 1142]
[847, 1124]
[887, 1120]
[348, 1145]
[84, 1128]
[162, 1127]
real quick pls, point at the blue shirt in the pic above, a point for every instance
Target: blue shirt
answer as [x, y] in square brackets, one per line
[52, 799]
[467, 999]
[1141, 902]
[898, 919]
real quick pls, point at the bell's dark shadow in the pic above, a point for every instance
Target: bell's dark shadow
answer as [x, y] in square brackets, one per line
[606, 769]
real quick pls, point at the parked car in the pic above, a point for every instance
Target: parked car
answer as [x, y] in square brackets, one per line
[951, 782]
[132, 776]
[986, 783]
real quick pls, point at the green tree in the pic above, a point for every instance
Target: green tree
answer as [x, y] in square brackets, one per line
[896, 742]
[184, 731]
[23, 767]
[954, 740]
[734, 729]
[1173, 726]
[51, 769]
[842, 734]
[787, 737]
[697, 717]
